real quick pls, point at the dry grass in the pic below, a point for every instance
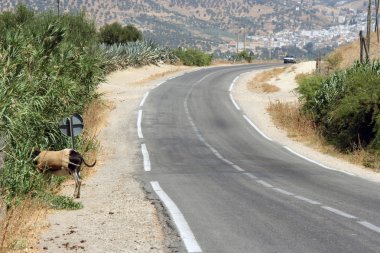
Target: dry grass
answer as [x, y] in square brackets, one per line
[95, 119]
[261, 82]
[351, 52]
[22, 226]
[287, 116]
[23, 223]
[95, 116]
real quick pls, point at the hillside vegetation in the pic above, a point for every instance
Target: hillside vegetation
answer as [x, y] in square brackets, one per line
[50, 68]
[344, 104]
[204, 23]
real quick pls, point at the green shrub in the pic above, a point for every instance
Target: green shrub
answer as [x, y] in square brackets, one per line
[115, 33]
[50, 67]
[334, 60]
[193, 57]
[345, 106]
[308, 86]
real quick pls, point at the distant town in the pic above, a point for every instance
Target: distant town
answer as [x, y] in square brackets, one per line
[348, 25]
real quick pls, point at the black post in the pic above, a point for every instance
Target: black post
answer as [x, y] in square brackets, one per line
[361, 39]
[369, 17]
[71, 132]
[58, 7]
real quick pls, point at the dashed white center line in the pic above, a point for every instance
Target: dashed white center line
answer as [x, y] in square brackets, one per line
[264, 183]
[237, 168]
[227, 161]
[250, 175]
[283, 191]
[307, 200]
[369, 226]
[139, 131]
[341, 213]
[145, 153]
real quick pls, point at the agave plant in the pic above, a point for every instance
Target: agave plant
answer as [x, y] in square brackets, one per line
[139, 53]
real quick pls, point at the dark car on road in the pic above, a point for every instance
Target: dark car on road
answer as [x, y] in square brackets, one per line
[289, 59]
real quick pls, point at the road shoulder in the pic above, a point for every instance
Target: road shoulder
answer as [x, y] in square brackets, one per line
[117, 215]
[255, 105]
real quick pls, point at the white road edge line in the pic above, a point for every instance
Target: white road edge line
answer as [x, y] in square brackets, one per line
[250, 175]
[233, 83]
[237, 168]
[144, 98]
[233, 101]
[264, 183]
[283, 191]
[160, 83]
[139, 118]
[317, 163]
[369, 226]
[256, 128]
[185, 232]
[336, 211]
[307, 200]
[145, 153]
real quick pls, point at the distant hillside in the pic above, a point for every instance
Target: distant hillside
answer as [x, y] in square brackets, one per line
[351, 52]
[209, 22]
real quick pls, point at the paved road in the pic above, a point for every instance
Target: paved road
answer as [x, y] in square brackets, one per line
[240, 192]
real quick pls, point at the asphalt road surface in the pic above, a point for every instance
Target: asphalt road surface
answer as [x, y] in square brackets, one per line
[228, 188]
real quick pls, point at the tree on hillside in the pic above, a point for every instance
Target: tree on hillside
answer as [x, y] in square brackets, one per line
[116, 33]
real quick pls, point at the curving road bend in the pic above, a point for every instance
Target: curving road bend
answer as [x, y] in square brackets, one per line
[228, 188]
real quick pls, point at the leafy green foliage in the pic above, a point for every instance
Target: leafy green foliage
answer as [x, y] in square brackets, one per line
[115, 33]
[193, 57]
[345, 105]
[138, 53]
[59, 202]
[50, 68]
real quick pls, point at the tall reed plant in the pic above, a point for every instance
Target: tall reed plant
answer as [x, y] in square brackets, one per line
[50, 67]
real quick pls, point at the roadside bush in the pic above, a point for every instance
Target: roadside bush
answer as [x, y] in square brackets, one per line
[115, 33]
[50, 68]
[308, 84]
[138, 53]
[193, 57]
[334, 61]
[345, 106]
[246, 56]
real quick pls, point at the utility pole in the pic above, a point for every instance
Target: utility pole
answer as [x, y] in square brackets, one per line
[270, 46]
[58, 7]
[237, 44]
[245, 39]
[369, 25]
[377, 3]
